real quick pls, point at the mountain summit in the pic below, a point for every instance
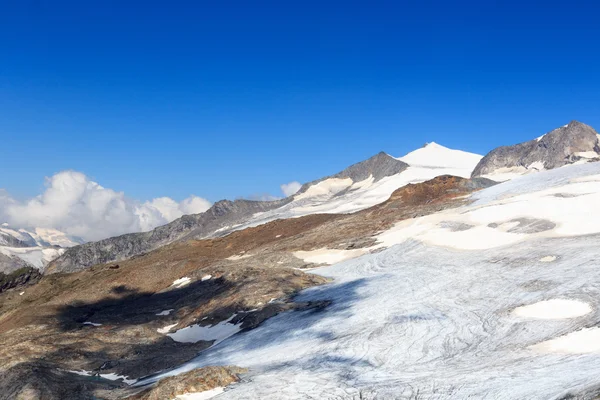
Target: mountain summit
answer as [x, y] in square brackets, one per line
[438, 156]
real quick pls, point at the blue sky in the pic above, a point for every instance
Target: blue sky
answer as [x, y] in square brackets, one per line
[229, 99]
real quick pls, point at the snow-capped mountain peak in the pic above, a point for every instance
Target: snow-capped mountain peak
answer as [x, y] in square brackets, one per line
[438, 156]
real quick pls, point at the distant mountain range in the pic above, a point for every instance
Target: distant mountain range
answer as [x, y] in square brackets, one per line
[357, 187]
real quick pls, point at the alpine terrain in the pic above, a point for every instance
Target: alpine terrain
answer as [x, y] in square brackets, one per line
[440, 274]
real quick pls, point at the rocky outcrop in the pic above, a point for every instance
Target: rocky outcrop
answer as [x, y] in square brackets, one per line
[20, 277]
[379, 166]
[565, 145]
[197, 380]
[10, 264]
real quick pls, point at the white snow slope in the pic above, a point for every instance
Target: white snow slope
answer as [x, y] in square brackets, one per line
[435, 318]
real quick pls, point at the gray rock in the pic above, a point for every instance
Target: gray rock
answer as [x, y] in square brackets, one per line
[10, 264]
[222, 214]
[553, 150]
[379, 166]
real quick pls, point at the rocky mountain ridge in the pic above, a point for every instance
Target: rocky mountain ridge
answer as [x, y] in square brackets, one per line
[378, 167]
[220, 219]
[569, 144]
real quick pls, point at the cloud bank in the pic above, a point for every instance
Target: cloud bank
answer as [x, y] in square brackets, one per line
[291, 188]
[78, 206]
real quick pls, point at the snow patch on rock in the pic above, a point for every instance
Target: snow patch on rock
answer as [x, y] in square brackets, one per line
[181, 282]
[207, 394]
[110, 377]
[166, 329]
[216, 333]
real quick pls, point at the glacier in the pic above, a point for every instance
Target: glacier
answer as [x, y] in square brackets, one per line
[418, 320]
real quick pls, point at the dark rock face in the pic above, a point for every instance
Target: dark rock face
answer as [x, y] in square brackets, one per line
[379, 166]
[20, 277]
[40, 380]
[555, 149]
[221, 214]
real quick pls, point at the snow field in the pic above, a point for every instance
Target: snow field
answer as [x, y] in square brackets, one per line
[434, 316]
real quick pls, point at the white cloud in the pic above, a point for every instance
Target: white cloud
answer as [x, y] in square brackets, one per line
[77, 206]
[194, 205]
[291, 188]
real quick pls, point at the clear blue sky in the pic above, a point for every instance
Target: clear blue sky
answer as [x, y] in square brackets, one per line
[230, 98]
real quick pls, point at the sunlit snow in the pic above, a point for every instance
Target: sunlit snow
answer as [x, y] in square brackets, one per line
[111, 376]
[424, 320]
[329, 256]
[181, 282]
[207, 394]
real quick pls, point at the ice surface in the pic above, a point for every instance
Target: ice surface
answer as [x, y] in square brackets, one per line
[422, 319]
[418, 320]
[165, 312]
